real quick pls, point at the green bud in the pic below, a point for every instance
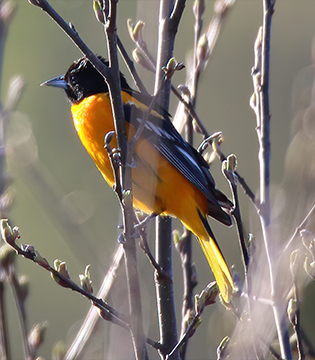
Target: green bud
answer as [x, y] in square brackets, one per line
[98, 12]
[172, 66]
[37, 335]
[203, 51]
[210, 293]
[59, 351]
[61, 267]
[231, 163]
[7, 257]
[85, 280]
[206, 297]
[141, 59]
[63, 270]
[135, 31]
[8, 234]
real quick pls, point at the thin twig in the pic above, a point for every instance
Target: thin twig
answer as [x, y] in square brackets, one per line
[101, 9]
[145, 247]
[7, 11]
[192, 112]
[22, 315]
[164, 288]
[295, 305]
[74, 36]
[230, 175]
[299, 228]
[189, 282]
[5, 350]
[260, 103]
[28, 251]
[183, 340]
[131, 68]
[91, 318]
[205, 298]
[186, 247]
[146, 115]
[136, 324]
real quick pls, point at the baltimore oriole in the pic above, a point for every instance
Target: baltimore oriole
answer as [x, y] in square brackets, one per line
[170, 176]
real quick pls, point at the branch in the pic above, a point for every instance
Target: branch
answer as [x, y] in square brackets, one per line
[61, 276]
[260, 104]
[74, 36]
[148, 62]
[163, 244]
[20, 305]
[131, 67]
[5, 350]
[205, 298]
[91, 318]
[294, 305]
[228, 168]
[135, 308]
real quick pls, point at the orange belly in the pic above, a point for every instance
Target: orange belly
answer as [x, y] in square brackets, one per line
[157, 185]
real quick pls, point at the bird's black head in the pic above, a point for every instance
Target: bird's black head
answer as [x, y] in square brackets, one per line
[82, 80]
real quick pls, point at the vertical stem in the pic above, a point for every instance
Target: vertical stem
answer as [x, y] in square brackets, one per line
[22, 315]
[4, 341]
[3, 37]
[164, 286]
[134, 295]
[186, 255]
[90, 321]
[165, 50]
[264, 164]
[4, 331]
[264, 153]
[188, 287]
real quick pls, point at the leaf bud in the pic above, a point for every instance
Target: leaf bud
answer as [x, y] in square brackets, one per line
[85, 280]
[37, 335]
[98, 11]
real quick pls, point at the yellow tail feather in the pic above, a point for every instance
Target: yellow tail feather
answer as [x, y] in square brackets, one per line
[219, 268]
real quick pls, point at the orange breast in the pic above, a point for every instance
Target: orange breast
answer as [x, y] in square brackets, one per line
[157, 185]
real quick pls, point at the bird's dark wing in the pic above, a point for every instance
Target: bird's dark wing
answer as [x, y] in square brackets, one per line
[161, 133]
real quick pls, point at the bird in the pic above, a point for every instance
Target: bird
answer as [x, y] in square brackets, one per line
[170, 178]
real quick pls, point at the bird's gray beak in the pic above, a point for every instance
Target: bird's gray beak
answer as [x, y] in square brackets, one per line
[59, 82]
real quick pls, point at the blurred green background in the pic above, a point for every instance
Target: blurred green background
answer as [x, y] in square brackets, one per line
[38, 50]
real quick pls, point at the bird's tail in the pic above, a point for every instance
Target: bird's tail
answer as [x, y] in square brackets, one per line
[217, 262]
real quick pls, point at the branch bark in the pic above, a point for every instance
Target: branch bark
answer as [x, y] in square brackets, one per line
[260, 105]
[164, 287]
[135, 308]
